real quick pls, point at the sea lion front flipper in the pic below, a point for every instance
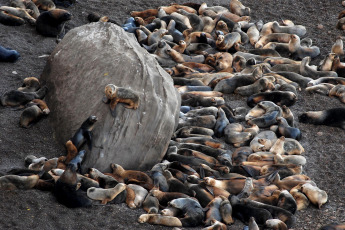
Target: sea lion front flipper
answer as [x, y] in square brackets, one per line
[113, 112]
[106, 100]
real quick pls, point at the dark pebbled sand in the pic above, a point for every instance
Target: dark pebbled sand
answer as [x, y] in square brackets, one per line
[325, 151]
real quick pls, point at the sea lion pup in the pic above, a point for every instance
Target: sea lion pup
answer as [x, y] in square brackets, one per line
[229, 85]
[18, 98]
[35, 110]
[13, 182]
[268, 118]
[181, 47]
[326, 63]
[278, 97]
[17, 12]
[202, 140]
[72, 151]
[165, 197]
[338, 47]
[275, 37]
[263, 141]
[259, 85]
[213, 212]
[151, 204]
[115, 94]
[287, 202]
[237, 135]
[132, 175]
[238, 8]
[44, 4]
[105, 195]
[192, 211]
[284, 129]
[333, 226]
[299, 30]
[299, 52]
[105, 181]
[221, 123]
[159, 219]
[253, 34]
[244, 212]
[8, 55]
[307, 71]
[140, 194]
[338, 91]
[301, 199]
[30, 84]
[66, 190]
[192, 131]
[10, 20]
[331, 117]
[84, 133]
[316, 196]
[225, 42]
[145, 13]
[195, 21]
[276, 224]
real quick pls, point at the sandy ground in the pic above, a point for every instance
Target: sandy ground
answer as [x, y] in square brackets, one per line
[33, 209]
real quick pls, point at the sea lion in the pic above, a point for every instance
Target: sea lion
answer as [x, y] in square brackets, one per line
[37, 108]
[334, 226]
[45, 4]
[105, 181]
[201, 140]
[258, 86]
[330, 80]
[213, 212]
[229, 85]
[338, 47]
[299, 52]
[237, 135]
[191, 210]
[253, 34]
[192, 131]
[276, 224]
[115, 94]
[307, 71]
[72, 151]
[169, 221]
[274, 37]
[199, 100]
[263, 141]
[327, 62]
[299, 30]
[140, 194]
[221, 123]
[195, 21]
[207, 121]
[151, 204]
[284, 129]
[13, 182]
[66, 190]
[301, 199]
[18, 98]
[165, 197]
[8, 55]
[144, 13]
[51, 23]
[238, 8]
[18, 12]
[338, 91]
[287, 202]
[268, 113]
[277, 97]
[76, 161]
[30, 84]
[105, 195]
[128, 175]
[331, 117]
[10, 20]
[316, 196]
[225, 42]
[84, 133]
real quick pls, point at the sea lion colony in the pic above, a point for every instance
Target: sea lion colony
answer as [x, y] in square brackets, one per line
[200, 182]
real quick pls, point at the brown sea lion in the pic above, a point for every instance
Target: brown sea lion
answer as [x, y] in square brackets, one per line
[13, 182]
[30, 84]
[169, 221]
[238, 8]
[21, 13]
[105, 195]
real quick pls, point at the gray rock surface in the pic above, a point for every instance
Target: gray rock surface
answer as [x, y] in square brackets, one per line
[87, 59]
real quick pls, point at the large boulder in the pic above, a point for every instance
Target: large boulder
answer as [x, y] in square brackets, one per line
[84, 62]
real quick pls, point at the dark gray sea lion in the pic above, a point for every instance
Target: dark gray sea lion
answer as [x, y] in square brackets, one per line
[17, 98]
[278, 97]
[331, 117]
[51, 23]
[83, 134]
